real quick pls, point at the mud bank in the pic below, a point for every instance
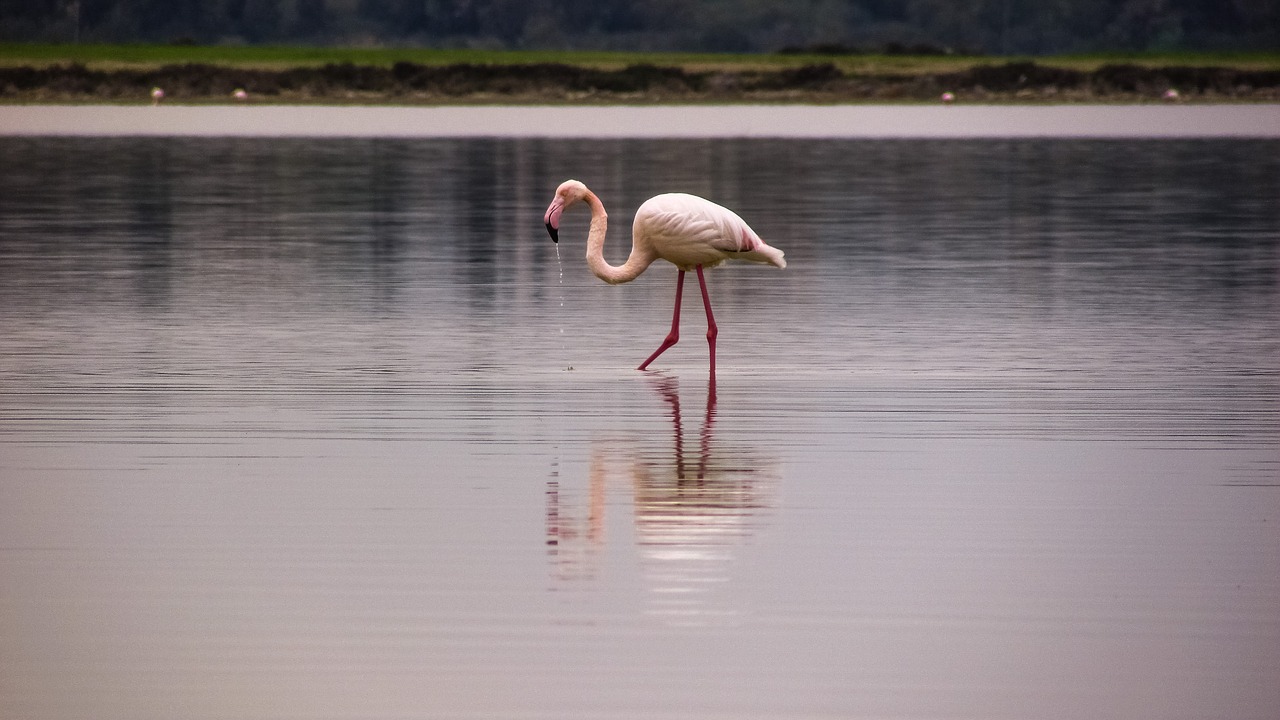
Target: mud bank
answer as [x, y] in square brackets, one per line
[410, 83]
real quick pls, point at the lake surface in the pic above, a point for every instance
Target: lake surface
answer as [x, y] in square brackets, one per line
[654, 121]
[328, 428]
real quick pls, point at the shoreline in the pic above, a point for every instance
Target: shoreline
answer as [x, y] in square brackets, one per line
[648, 121]
[550, 83]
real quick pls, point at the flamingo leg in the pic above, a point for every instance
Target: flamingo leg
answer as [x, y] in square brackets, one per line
[712, 330]
[674, 336]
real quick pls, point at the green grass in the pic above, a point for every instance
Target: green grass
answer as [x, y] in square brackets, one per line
[115, 56]
[1239, 60]
[275, 57]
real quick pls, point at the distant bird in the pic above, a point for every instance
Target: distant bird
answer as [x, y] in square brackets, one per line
[685, 230]
[156, 95]
[240, 94]
[948, 97]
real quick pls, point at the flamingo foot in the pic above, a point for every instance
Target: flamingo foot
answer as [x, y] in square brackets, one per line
[672, 338]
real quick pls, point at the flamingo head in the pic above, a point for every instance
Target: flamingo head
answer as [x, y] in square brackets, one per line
[569, 192]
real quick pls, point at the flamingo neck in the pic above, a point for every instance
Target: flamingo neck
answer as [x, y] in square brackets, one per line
[636, 262]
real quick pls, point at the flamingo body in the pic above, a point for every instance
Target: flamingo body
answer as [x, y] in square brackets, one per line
[688, 231]
[685, 230]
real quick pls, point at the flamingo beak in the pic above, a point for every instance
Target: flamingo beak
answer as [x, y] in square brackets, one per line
[552, 219]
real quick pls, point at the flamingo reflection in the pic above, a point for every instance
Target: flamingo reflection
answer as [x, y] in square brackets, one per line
[692, 503]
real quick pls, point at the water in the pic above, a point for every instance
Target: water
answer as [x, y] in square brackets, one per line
[322, 428]
[654, 121]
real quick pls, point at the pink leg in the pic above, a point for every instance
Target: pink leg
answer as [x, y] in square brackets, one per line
[674, 335]
[712, 331]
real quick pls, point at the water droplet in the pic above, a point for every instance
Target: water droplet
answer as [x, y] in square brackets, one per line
[560, 269]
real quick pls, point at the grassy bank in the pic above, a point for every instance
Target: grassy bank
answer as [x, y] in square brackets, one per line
[125, 73]
[107, 57]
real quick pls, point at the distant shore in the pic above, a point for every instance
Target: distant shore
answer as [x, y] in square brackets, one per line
[793, 121]
[553, 83]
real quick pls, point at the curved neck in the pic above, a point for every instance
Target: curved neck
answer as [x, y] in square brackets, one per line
[628, 271]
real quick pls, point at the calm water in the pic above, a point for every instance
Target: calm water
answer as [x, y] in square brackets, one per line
[326, 429]
[692, 121]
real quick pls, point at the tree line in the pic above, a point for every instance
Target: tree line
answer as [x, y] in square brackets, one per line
[973, 26]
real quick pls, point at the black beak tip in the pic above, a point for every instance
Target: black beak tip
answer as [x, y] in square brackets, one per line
[554, 233]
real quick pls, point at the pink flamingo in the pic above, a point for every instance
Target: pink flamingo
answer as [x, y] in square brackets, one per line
[685, 230]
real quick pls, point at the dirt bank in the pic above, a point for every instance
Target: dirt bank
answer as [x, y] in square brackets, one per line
[409, 83]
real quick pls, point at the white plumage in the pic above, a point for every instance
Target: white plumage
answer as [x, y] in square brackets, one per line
[687, 231]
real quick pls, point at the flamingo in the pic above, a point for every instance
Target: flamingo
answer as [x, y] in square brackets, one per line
[685, 230]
